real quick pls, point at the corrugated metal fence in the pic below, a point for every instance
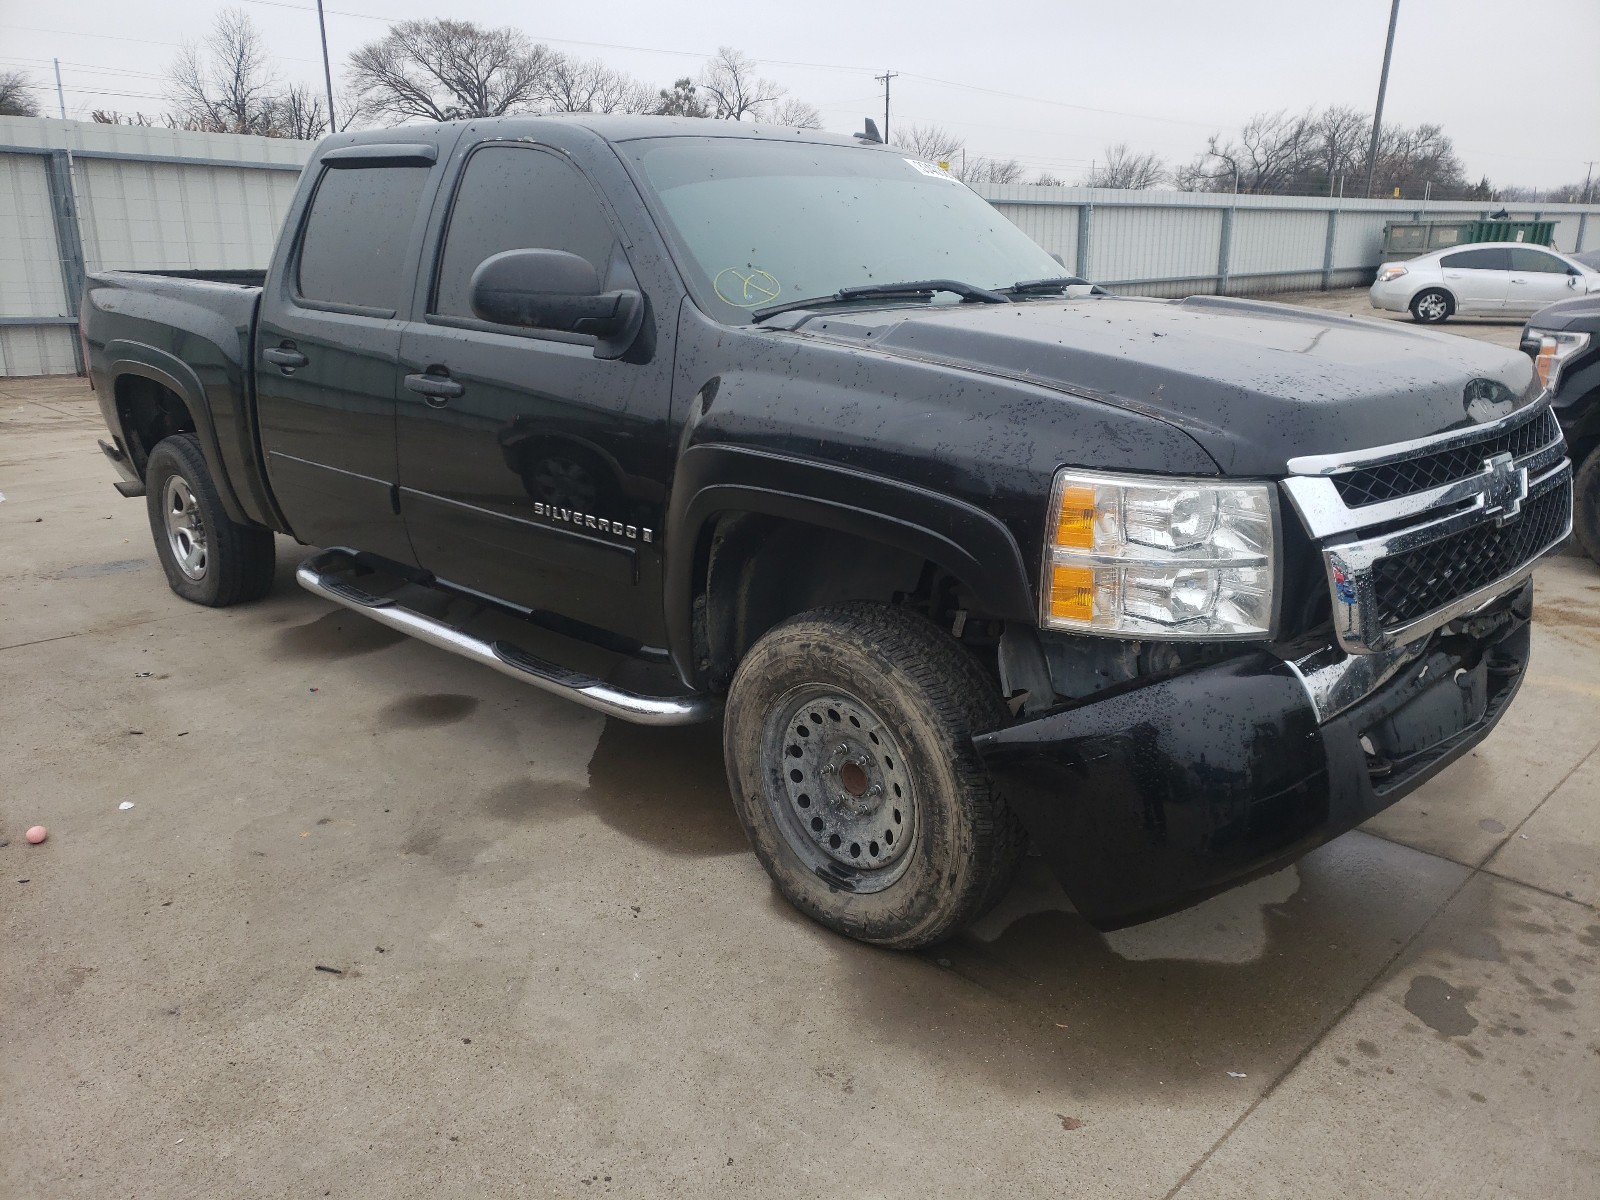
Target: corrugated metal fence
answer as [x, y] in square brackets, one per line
[1179, 243]
[75, 196]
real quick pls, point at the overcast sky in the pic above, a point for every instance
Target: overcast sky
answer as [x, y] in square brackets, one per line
[1049, 82]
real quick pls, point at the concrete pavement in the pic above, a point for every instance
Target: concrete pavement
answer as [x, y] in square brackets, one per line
[557, 970]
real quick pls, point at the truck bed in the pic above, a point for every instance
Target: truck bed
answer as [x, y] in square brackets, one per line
[190, 332]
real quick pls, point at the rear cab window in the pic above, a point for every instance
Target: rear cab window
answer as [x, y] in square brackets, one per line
[352, 245]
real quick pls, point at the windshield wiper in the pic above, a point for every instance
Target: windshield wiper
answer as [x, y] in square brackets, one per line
[872, 291]
[1058, 283]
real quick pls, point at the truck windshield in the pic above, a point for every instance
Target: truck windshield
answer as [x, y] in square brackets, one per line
[757, 223]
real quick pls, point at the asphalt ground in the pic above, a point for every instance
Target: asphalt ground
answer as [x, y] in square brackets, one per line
[383, 923]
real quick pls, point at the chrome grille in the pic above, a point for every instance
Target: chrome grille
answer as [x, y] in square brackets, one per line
[1411, 585]
[1416, 535]
[1370, 485]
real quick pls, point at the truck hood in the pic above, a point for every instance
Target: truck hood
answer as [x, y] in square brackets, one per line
[1255, 384]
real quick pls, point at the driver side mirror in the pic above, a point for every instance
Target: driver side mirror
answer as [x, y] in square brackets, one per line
[552, 289]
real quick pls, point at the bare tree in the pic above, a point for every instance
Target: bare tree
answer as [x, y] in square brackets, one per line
[301, 112]
[112, 116]
[16, 95]
[1047, 179]
[226, 84]
[1122, 168]
[988, 170]
[682, 99]
[931, 143]
[735, 91]
[1417, 160]
[796, 114]
[1308, 154]
[444, 70]
[579, 85]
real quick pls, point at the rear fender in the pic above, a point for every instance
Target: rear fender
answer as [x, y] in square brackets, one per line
[172, 373]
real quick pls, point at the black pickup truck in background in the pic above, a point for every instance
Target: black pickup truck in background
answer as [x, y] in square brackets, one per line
[692, 420]
[1564, 342]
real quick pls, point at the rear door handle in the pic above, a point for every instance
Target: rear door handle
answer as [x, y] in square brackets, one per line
[437, 390]
[286, 357]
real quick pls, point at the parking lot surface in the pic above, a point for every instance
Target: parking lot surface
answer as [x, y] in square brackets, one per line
[383, 923]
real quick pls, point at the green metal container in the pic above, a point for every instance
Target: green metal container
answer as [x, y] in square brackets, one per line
[1407, 239]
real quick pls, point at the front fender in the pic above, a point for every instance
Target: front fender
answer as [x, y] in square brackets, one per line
[712, 479]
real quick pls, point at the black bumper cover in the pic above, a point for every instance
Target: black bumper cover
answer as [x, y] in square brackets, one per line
[1154, 796]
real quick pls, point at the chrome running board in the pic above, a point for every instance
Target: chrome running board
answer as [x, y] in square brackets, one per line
[326, 575]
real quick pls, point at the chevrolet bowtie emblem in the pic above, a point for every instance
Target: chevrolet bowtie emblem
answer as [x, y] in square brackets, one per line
[1505, 487]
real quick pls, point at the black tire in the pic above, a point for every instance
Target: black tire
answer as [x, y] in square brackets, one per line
[1586, 505]
[1432, 306]
[228, 563]
[850, 672]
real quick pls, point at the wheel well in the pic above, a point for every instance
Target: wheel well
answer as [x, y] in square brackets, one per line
[1449, 296]
[149, 412]
[759, 570]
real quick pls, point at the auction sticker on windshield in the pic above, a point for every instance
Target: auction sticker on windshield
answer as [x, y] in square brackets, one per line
[747, 288]
[928, 168]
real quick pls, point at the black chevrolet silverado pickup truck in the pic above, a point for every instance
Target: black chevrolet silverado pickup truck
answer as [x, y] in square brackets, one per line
[1564, 342]
[689, 420]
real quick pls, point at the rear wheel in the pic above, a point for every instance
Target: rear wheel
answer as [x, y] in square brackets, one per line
[1586, 505]
[848, 739]
[1430, 307]
[208, 558]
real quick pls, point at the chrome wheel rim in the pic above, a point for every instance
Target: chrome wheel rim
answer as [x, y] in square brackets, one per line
[186, 531]
[1431, 307]
[840, 790]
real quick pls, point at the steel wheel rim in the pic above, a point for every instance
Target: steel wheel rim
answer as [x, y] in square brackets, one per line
[1431, 307]
[186, 530]
[839, 788]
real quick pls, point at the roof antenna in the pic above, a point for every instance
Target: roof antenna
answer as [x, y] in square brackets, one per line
[872, 134]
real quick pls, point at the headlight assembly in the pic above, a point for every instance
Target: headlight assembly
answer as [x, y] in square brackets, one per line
[1158, 558]
[1554, 351]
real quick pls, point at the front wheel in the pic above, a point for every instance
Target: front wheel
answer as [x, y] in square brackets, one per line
[1586, 505]
[208, 558]
[848, 739]
[1430, 307]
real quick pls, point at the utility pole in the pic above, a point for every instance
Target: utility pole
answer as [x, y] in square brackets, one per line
[1383, 86]
[61, 97]
[327, 73]
[883, 79]
[1587, 175]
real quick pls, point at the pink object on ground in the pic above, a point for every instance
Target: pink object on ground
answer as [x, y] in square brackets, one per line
[37, 834]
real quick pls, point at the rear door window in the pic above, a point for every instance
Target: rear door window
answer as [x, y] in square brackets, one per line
[355, 238]
[517, 198]
[1536, 260]
[1495, 259]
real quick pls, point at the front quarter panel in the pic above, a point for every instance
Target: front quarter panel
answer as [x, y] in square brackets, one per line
[973, 454]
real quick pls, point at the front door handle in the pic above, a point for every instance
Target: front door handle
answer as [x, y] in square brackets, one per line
[285, 356]
[437, 390]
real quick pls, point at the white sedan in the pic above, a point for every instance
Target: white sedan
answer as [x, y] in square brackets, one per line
[1486, 279]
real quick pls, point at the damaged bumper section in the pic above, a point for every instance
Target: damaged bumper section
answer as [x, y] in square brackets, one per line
[1155, 794]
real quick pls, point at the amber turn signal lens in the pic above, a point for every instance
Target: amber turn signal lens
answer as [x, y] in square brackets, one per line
[1075, 521]
[1072, 593]
[1545, 361]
